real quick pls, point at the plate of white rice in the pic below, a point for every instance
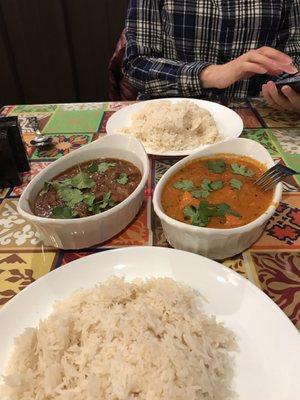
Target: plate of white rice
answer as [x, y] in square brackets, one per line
[146, 324]
[176, 126]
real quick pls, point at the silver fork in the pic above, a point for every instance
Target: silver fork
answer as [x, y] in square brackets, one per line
[274, 175]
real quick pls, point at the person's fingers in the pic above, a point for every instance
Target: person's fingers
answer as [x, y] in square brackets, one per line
[249, 67]
[272, 66]
[268, 98]
[275, 54]
[292, 95]
[277, 97]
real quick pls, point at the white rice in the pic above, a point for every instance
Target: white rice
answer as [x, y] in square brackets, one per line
[124, 341]
[165, 125]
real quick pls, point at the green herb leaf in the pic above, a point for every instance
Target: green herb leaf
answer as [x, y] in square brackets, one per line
[216, 185]
[218, 167]
[185, 185]
[82, 181]
[200, 193]
[88, 199]
[240, 169]
[236, 184]
[235, 213]
[201, 215]
[96, 208]
[206, 184]
[198, 215]
[189, 211]
[70, 196]
[93, 167]
[61, 184]
[222, 209]
[46, 188]
[62, 212]
[207, 187]
[106, 201]
[123, 178]
[103, 167]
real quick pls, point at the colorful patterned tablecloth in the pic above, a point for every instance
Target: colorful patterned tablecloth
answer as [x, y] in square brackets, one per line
[272, 263]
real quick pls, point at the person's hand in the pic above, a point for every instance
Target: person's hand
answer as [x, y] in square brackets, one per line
[264, 60]
[284, 99]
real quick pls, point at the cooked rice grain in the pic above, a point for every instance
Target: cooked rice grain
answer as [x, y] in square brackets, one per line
[124, 341]
[165, 125]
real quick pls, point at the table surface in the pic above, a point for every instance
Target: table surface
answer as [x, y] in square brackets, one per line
[272, 263]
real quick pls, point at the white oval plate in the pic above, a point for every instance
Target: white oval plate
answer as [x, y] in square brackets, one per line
[229, 123]
[267, 365]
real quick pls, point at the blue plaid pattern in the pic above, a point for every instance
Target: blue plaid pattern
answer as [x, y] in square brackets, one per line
[169, 42]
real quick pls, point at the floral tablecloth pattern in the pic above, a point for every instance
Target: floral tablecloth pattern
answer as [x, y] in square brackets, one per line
[272, 263]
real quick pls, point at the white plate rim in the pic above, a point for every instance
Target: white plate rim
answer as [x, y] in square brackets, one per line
[110, 130]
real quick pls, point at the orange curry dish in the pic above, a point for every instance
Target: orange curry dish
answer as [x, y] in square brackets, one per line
[217, 192]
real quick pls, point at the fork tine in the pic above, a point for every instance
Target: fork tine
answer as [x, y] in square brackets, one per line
[265, 175]
[272, 184]
[274, 175]
[272, 178]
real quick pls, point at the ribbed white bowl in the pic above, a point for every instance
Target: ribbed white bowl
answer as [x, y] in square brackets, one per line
[88, 231]
[210, 242]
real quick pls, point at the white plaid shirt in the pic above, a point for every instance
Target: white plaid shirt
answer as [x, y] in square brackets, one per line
[169, 42]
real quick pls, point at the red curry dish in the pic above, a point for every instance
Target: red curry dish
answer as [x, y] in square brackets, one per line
[87, 189]
[217, 192]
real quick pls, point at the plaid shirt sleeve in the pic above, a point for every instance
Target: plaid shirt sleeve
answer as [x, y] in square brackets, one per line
[144, 64]
[292, 47]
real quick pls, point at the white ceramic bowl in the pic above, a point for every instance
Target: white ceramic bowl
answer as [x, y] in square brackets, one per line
[88, 231]
[210, 242]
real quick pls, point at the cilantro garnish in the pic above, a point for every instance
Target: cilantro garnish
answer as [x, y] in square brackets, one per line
[72, 191]
[88, 199]
[82, 181]
[103, 167]
[206, 188]
[240, 169]
[106, 201]
[236, 184]
[216, 185]
[46, 188]
[122, 179]
[62, 212]
[93, 167]
[222, 209]
[70, 196]
[218, 167]
[184, 185]
[200, 193]
[201, 215]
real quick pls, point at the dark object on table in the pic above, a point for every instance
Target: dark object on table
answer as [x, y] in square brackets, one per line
[9, 174]
[13, 155]
[291, 80]
[11, 126]
[118, 87]
[40, 140]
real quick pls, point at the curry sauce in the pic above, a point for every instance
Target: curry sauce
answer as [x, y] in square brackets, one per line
[217, 192]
